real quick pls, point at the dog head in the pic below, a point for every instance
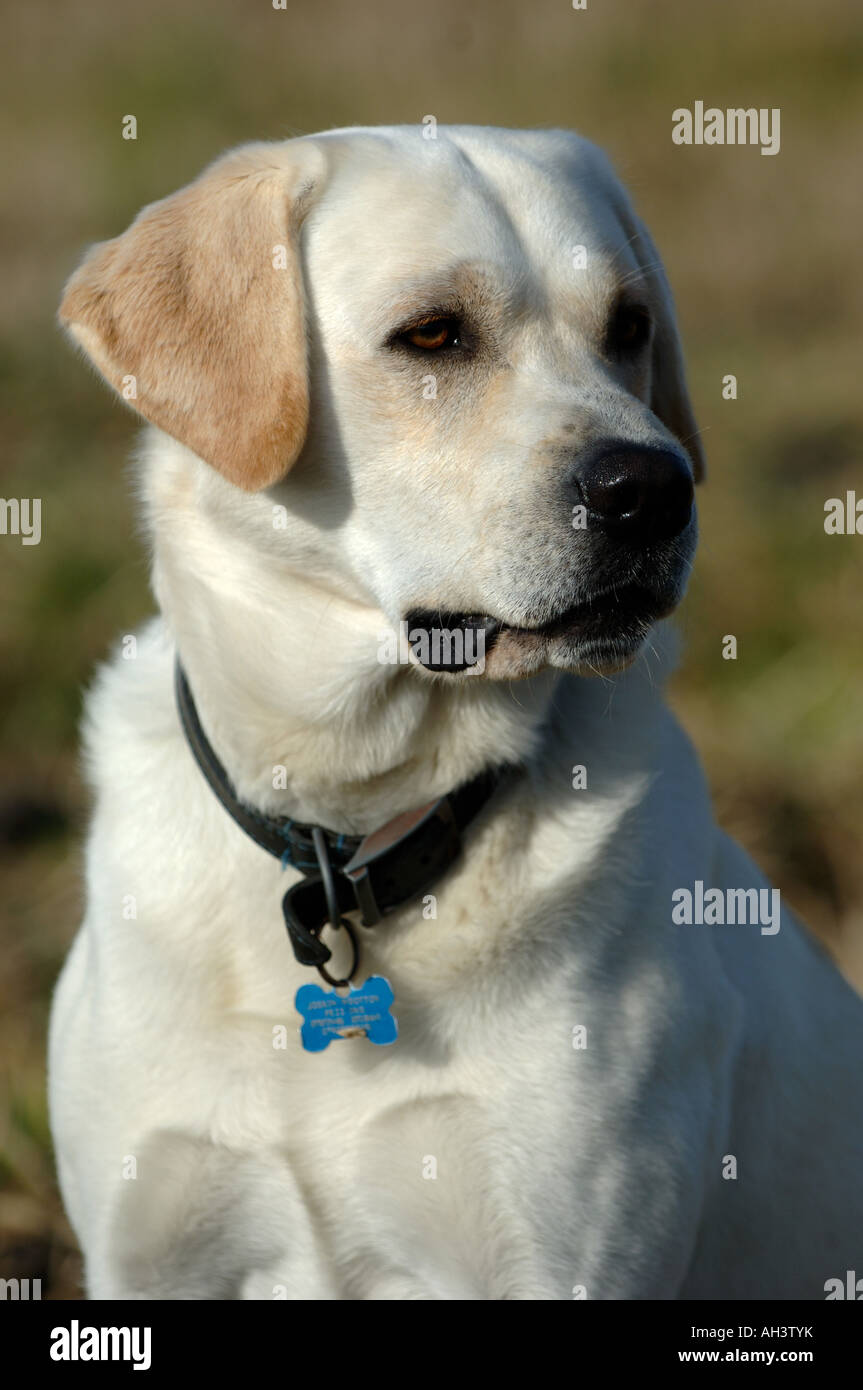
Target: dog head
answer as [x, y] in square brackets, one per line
[452, 363]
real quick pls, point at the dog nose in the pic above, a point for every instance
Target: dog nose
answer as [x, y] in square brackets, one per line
[641, 494]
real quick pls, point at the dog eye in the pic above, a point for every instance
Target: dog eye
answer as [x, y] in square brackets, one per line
[629, 329]
[433, 335]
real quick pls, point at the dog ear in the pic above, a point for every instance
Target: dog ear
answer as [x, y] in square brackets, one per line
[196, 313]
[669, 395]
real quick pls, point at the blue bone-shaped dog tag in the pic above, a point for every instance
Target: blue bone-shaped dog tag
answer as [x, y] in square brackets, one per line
[362, 1012]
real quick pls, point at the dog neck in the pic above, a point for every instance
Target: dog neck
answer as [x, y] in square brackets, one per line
[287, 676]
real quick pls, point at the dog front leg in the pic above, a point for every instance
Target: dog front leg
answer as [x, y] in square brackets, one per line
[202, 1221]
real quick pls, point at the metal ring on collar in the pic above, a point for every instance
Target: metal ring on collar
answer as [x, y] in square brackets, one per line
[336, 920]
[324, 972]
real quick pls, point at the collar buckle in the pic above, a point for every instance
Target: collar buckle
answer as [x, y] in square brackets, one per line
[426, 836]
[395, 863]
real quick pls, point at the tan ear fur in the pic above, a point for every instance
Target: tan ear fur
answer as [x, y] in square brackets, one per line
[190, 304]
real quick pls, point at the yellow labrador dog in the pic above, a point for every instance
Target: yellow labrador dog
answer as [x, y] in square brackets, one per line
[414, 965]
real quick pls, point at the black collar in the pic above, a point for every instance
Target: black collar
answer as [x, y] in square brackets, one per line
[374, 873]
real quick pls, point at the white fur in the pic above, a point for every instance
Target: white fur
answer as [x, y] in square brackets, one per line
[266, 1172]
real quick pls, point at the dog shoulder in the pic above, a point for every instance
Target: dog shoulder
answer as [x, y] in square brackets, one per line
[130, 706]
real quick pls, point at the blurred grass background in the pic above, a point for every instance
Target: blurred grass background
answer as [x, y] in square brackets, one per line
[763, 254]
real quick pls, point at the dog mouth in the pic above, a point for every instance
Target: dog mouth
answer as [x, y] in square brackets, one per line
[613, 620]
